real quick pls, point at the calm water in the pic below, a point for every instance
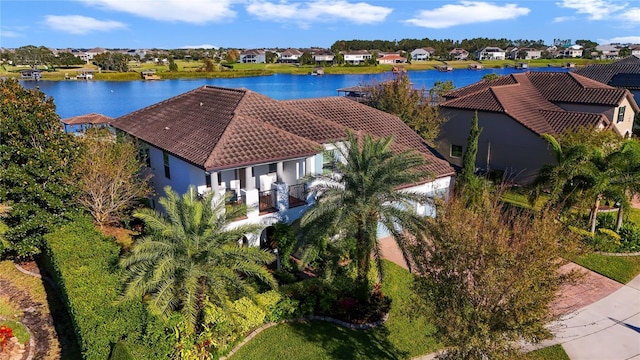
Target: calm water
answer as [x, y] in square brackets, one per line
[116, 98]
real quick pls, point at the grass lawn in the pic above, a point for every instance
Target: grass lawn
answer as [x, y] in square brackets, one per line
[521, 200]
[403, 336]
[555, 352]
[633, 215]
[619, 268]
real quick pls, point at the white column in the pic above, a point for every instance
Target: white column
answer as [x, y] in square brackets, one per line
[248, 179]
[310, 165]
[280, 172]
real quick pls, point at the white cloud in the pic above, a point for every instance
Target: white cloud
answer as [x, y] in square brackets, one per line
[466, 12]
[10, 34]
[192, 11]
[79, 25]
[595, 9]
[631, 15]
[560, 19]
[620, 40]
[203, 46]
[304, 13]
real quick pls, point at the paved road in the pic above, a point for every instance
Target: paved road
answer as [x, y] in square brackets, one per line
[608, 329]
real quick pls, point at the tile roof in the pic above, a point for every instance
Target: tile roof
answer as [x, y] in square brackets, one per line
[530, 99]
[362, 118]
[629, 67]
[218, 128]
[92, 118]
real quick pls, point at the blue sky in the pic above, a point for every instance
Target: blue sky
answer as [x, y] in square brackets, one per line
[286, 23]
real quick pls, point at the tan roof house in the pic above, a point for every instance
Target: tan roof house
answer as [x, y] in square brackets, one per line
[260, 150]
[79, 124]
[392, 59]
[515, 110]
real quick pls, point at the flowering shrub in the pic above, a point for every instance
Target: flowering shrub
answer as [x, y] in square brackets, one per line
[5, 334]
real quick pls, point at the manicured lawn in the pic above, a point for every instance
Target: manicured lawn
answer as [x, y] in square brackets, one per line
[619, 268]
[404, 335]
[555, 352]
[521, 200]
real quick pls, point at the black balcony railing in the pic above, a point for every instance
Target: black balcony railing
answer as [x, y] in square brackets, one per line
[267, 201]
[297, 195]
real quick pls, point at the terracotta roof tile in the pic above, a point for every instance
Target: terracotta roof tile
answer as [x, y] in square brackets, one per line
[563, 120]
[605, 73]
[360, 117]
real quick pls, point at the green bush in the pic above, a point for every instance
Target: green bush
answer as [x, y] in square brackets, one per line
[630, 237]
[121, 352]
[83, 263]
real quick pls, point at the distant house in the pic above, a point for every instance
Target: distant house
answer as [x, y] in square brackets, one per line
[290, 56]
[30, 74]
[422, 54]
[392, 59]
[608, 52]
[323, 56]
[573, 51]
[635, 50]
[491, 53]
[253, 56]
[356, 57]
[459, 54]
[79, 124]
[515, 110]
[624, 73]
[529, 53]
[260, 151]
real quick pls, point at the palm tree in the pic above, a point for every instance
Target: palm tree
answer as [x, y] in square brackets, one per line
[363, 194]
[190, 254]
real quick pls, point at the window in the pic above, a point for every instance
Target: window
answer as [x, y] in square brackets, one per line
[621, 113]
[165, 159]
[273, 167]
[456, 150]
[207, 179]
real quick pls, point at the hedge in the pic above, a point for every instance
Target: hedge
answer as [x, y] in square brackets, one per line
[84, 265]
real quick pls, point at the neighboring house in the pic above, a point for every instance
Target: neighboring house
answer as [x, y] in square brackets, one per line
[356, 57]
[253, 56]
[77, 125]
[624, 73]
[515, 110]
[635, 50]
[259, 150]
[323, 56]
[459, 54]
[422, 54]
[491, 53]
[573, 51]
[529, 53]
[608, 52]
[392, 59]
[30, 74]
[290, 56]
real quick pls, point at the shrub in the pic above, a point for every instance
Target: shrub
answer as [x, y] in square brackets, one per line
[630, 237]
[83, 263]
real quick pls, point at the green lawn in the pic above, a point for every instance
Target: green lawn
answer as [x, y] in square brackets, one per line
[403, 336]
[619, 268]
[555, 352]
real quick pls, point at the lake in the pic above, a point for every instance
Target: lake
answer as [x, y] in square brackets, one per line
[116, 98]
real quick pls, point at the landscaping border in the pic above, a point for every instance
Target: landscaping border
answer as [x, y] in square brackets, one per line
[254, 333]
[637, 253]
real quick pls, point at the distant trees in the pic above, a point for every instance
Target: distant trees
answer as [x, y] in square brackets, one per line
[35, 163]
[112, 61]
[306, 59]
[34, 55]
[398, 97]
[233, 56]
[173, 67]
[66, 59]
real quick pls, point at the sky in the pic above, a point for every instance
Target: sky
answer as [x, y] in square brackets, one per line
[172, 24]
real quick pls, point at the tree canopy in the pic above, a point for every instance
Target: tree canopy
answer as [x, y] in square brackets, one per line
[35, 159]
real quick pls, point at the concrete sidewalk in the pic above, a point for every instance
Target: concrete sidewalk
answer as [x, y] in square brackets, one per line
[608, 329]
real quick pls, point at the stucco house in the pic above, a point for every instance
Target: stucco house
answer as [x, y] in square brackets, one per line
[259, 150]
[77, 125]
[515, 110]
[290, 56]
[608, 52]
[635, 50]
[356, 57]
[459, 54]
[573, 51]
[323, 56]
[422, 54]
[392, 59]
[491, 53]
[253, 56]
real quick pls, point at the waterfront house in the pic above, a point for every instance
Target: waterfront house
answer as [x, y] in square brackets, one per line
[635, 50]
[392, 59]
[515, 110]
[525, 54]
[290, 56]
[78, 125]
[608, 52]
[259, 150]
[323, 56]
[253, 56]
[459, 54]
[356, 57]
[422, 54]
[30, 74]
[573, 51]
[491, 53]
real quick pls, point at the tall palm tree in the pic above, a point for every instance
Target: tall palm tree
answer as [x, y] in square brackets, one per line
[191, 254]
[363, 194]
